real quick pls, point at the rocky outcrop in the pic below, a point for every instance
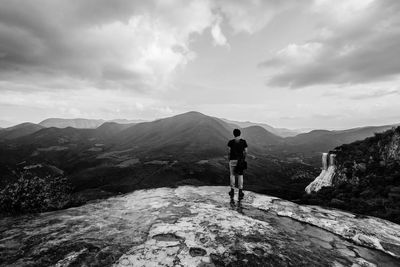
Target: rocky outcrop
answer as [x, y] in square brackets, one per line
[368, 156]
[391, 150]
[326, 176]
[366, 179]
[381, 150]
[196, 226]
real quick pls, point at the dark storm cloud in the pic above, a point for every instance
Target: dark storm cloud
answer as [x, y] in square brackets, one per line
[361, 50]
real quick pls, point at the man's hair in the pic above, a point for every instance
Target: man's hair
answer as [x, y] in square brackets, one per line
[236, 132]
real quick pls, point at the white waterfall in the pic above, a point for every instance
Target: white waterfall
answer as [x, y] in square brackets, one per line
[324, 161]
[326, 176]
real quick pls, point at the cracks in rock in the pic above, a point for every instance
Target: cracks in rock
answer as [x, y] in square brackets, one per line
[195, 252]
[167, 237]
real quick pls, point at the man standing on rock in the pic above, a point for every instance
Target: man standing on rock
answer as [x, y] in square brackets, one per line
[237, 163]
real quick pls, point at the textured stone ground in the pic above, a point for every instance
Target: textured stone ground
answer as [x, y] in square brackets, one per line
[191, 226]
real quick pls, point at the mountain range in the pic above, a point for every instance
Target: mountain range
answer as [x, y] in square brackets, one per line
[187, 133]
[282, 132]
[19, 130]
[335, 138]
[189, 148]
[81, 123]
[320, 140]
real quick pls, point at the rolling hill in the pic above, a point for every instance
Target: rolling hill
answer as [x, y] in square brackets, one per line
[55, 136]
[109, 129]
[189, 148]
[259, 138]
[190, 132]
[335, 138]
[75, 123]
[184, 149]
[309, 146]
[81, 123]
[19, 130]
[193, 133]
[282, 132]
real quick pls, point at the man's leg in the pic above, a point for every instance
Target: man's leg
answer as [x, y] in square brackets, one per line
[240, 181]
[232, 192]
[232, 174]
[240, 185]
[232, 179]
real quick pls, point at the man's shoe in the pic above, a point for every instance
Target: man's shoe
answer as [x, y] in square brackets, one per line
[241, 194]
[232, 193]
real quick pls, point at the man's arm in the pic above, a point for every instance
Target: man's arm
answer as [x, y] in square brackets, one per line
[229, 149]
[245, 150]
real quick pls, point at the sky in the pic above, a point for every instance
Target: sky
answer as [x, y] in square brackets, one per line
[295, 64]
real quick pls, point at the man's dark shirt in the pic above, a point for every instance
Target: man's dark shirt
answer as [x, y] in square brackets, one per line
[237, 148]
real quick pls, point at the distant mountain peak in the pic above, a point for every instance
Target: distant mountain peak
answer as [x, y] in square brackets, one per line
[256, 127]
[19, 130]
[76, 123]
[282, 132]
[191, 113]
[81, 123]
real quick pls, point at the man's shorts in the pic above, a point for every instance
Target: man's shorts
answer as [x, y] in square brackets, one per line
[232, 165]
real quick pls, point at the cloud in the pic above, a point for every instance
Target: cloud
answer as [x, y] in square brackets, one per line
[138, 45]
[219, 38]
[87, 102]
[374, 94]
[252, 15]
[356, 42]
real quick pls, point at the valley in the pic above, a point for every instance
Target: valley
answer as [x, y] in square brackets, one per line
[187, 149]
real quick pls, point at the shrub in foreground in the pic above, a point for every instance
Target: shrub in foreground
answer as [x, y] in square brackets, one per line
[31, 193]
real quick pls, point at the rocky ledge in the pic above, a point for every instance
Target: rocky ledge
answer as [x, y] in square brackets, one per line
[196, 226]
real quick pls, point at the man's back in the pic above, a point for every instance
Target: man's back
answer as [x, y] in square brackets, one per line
[237, 147]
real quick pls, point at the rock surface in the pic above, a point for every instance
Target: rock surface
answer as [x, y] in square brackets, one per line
[195, 226]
